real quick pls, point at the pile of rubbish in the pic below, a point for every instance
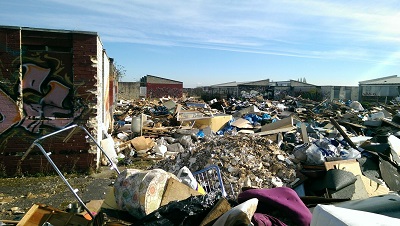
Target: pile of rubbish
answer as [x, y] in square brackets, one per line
[245, 161]
[334, 151]
[254, 162]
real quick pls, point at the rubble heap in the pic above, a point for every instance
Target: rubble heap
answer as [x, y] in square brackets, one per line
[244, 161]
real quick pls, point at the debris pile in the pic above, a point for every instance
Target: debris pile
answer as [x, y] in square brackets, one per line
[235, 159]
[245, 161]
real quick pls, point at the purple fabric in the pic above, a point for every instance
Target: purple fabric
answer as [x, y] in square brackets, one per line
[282, 199]
[266, 220]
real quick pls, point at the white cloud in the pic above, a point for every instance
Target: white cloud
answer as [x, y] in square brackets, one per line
[304, 28]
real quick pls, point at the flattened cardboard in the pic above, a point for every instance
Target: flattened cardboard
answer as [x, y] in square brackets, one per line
[109, 201]
[218, 210]
[39, 214]
[276, 131]
[142, 143]
[242, 123]
[288, 122]
[176, 191]
[216, 123]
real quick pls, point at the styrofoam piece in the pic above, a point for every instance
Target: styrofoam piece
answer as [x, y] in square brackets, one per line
[358, 140]
[329, 215]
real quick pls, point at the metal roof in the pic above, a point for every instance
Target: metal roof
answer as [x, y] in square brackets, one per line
[228, 84]
[382, 81]
[234, 83]
[47, 30]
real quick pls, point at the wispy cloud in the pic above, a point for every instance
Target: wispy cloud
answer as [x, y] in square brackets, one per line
[304, 28]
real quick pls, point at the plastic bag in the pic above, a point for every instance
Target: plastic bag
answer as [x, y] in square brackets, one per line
[190, 211]
[350, 153]
[187, 178]
[314, 155]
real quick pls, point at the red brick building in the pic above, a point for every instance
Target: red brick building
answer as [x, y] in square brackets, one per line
[51, 79]
[156, 87]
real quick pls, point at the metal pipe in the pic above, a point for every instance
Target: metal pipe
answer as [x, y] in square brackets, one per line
[63, 178]
[47, 156]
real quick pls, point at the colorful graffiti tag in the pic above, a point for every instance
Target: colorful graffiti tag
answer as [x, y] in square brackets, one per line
[9, 112]
[46, 101]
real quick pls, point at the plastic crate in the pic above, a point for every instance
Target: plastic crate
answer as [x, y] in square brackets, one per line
[210, 179]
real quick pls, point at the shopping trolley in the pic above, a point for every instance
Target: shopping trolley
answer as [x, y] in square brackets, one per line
[47, 156]
[210, 179]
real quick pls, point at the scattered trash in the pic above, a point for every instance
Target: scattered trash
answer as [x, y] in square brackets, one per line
[232, 160]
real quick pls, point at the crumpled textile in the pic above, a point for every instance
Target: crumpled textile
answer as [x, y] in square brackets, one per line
[267, 220]
[282, 199]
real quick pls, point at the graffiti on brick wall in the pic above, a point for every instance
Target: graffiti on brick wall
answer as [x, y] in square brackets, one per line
[9, 112]
[47, 98]
[159, 92]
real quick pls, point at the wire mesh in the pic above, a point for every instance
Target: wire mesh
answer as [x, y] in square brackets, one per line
[210, 179]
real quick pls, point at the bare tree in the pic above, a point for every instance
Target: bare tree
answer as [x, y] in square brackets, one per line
[119, 71]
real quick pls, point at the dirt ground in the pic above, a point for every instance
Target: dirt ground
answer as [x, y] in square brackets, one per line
[17, 195]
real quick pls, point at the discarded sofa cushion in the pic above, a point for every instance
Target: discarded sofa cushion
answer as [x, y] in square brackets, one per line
[345, 193]
[140, 192]
[281, 199]
[335, 179]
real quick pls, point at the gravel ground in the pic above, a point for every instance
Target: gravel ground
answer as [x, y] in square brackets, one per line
[19, 194]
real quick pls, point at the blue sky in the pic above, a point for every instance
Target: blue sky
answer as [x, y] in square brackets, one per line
[206, 42]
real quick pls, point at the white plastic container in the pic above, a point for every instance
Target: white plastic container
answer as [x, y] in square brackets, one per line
[137, 124]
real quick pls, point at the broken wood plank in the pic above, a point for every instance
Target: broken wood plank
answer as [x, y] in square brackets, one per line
[304, 133]
[353, 124]
[344, 135]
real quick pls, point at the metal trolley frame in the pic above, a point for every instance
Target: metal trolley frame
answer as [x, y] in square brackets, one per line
[47, 155]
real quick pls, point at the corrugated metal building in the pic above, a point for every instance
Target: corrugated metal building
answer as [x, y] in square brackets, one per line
[379, 90]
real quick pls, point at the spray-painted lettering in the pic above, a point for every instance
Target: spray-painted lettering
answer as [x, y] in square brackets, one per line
[44, 103]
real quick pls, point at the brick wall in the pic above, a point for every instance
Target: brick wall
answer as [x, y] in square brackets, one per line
[9, 74]
[164, 90]
[67, 94]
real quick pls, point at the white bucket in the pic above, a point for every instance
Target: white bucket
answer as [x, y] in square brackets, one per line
[137, 123]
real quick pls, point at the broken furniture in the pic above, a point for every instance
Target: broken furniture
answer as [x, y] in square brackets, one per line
[189, 117]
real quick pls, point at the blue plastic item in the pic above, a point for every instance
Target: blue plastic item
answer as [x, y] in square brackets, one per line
[210, 179]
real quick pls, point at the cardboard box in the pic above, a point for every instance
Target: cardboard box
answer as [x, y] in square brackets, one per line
[39, 214]
[216, 123]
